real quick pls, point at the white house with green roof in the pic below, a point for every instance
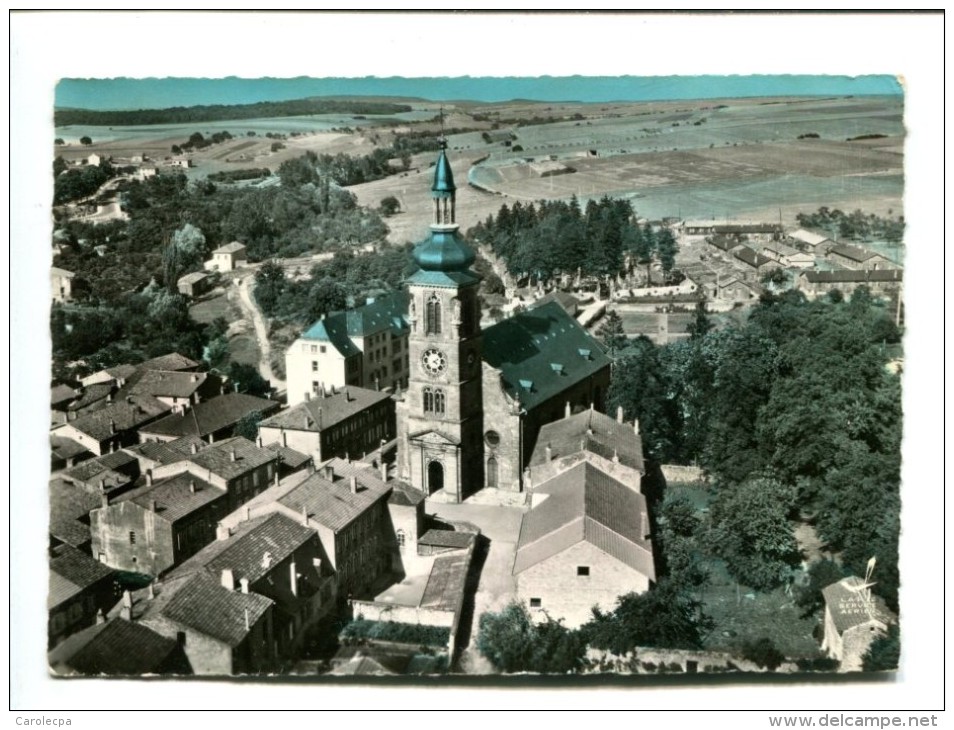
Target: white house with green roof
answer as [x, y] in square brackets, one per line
[365, 346]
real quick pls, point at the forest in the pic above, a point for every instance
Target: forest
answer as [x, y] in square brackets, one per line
[225, 112]
[551, 238]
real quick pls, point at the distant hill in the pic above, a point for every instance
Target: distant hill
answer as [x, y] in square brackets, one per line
[223, 112]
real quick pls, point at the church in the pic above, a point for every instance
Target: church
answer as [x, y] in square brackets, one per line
[471, 401]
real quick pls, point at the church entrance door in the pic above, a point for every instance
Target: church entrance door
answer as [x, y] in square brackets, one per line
[435, 477]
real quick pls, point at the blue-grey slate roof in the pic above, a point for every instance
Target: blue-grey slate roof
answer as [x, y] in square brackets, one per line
[525, 348]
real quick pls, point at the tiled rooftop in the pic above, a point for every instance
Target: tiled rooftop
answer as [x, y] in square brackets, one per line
[324, 412]
[104, 649]
[211, 416]
[593, 431]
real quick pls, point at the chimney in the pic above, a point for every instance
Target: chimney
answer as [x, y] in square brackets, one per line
[102, 485]
[127, 599]
[568, 411]
[112, 427]
[615, 456]
[284, 438]
[222, 532]
[384, 470]
[104, 500]
[304, 515]
[549, 453]
[195, 377]
[636, 425]
[194, 448]
[109, 397]
[228, 579]
[247, 627]
[192, 486]
[328, 472]
[293, 578]
[148, 477]
[151, 591]
[258, 442]
[100, 618]
[243, 582]
[247, 514]
[152, 505]
[231, 454]
[619, 414]
[354, 485]
[129, 400]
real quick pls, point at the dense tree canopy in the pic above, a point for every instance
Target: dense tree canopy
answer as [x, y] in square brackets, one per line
[514, 643]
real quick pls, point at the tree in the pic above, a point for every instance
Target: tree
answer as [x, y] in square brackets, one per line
[513, 643]
[665, 616]
[611, 332]
[764, 653]
[59, 165]
[86, 141]
[269, 285]
[701, 324]
[389, 206]
[821, 574]
[666, 249]
[884, 653]
[248, 425]
[246, 379]
[752, 533]
[59, 142]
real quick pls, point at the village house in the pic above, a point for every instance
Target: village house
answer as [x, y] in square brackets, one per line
[236, 465]
[350, 422]
[109, 474]
[228, 257]
[879, 282]
[61, 284]
[115, 425]
[222, 630]
[115, 376]
[365, 347]
[65, 452]
[69, 515]
[348, 506]
[178, 389]
[154, 454]
[612, 445]
[854, 617]
[158, 525]
[211, 420]
[80, 588]
[733, 288]
[754, 262]
[277, 557]
[723, 244]
[105, 650]
[787, 256]
[858, 258]
[195, 284]
[813, 243]
[584, 542]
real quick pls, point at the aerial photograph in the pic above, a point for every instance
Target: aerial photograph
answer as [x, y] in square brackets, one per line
[495, 376]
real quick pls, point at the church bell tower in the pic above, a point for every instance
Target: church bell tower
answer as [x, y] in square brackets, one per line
[440, 419]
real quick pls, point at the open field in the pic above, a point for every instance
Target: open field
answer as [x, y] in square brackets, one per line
[728, 159]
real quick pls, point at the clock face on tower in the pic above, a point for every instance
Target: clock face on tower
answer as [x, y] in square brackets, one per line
[434, 361]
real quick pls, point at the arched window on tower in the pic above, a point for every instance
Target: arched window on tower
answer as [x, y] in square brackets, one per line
[428, 400]
[432, 323]
[439, 401]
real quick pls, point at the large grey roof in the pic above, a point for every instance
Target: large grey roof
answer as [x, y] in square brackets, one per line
[584, 504]
[107, 649]
[204, 605]
[323, 412]
[121, 416]
[176, 497]
[541, 352]
[331, 503]
[218, 457]
[210, 416]
[71, 572]
[592, 431]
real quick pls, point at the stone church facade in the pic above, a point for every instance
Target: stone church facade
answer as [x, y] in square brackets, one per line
[476, 400]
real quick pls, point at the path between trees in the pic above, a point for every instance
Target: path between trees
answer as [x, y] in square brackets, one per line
[246, 285]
